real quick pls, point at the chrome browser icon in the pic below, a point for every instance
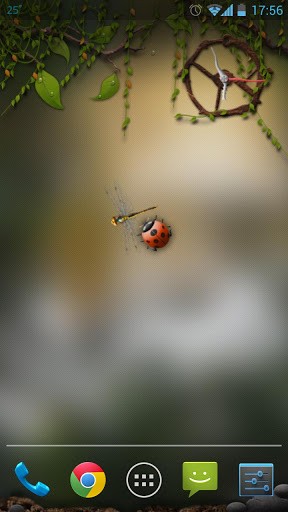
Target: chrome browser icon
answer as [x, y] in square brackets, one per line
[88, 480]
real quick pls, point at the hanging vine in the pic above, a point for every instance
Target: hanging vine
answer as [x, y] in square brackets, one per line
[31, 33]
[180, 26]
[32, 42]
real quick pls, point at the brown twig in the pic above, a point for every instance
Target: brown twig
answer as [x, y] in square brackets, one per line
[113, 63]
[31, 57]
[73, 29]
[69, 37]
[218, 98]
[73, 39]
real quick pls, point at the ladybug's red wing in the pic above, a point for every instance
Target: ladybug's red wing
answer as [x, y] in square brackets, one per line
[156, 237]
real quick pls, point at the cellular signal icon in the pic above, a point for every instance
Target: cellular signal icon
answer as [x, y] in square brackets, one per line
[214, 9]
[229, 11]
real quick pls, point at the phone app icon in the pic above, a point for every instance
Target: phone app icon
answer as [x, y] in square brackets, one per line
[200, 476]
[88, 479]
[39, 489]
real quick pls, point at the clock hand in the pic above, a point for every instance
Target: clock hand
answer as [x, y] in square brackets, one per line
[238, 79]
[220, 71]
[225, 79]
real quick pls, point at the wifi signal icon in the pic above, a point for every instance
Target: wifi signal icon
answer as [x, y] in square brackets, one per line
[214, 9]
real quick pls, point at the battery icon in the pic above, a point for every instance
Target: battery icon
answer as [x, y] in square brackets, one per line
[241, 10]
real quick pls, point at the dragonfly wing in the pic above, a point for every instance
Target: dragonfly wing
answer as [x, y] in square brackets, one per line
[111, 193]
[130, 233]
[124, 207]
[124, 202]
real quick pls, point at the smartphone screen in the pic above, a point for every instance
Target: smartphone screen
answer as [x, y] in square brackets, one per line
[144, 164]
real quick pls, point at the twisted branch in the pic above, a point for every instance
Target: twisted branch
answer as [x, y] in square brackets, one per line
[226, 41]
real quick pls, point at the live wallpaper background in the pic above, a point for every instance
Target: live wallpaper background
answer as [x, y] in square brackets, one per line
[185, 345]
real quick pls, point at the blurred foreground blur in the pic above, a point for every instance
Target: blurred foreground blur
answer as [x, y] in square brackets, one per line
[96, 341]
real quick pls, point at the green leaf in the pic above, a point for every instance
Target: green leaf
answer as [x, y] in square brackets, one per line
[223, 113]
[204, 29]
[211, 117]
[109, 87]
[125, 123]
[260, 122]
[173, 16]
[104, 34]
[184, 73]
[252, 107]
[172, 21]
[178, 116]
[251, 66]
[193, 120]
[185, 25]
[59, 47]
[126, 92]
[244, 115]
[178, 23]
[48, 88]
[130, 70]
[175, 94]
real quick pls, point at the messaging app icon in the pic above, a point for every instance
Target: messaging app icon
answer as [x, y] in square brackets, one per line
[200, 476]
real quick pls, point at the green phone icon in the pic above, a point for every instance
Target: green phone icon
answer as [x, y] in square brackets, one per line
[200, 476]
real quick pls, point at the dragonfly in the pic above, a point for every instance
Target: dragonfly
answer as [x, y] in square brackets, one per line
[125, 215]
[225, 79]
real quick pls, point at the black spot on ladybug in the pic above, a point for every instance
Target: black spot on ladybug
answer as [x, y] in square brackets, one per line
[163, 235]
[156, 241]
[147, 226]
[163, 227]
[154, 232]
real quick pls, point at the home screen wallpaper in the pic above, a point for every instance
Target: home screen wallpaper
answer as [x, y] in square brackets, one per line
[143, 221]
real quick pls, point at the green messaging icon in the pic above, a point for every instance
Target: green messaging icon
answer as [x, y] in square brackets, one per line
[200, 476]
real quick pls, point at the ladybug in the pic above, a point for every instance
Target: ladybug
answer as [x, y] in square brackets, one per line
[155, 234]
